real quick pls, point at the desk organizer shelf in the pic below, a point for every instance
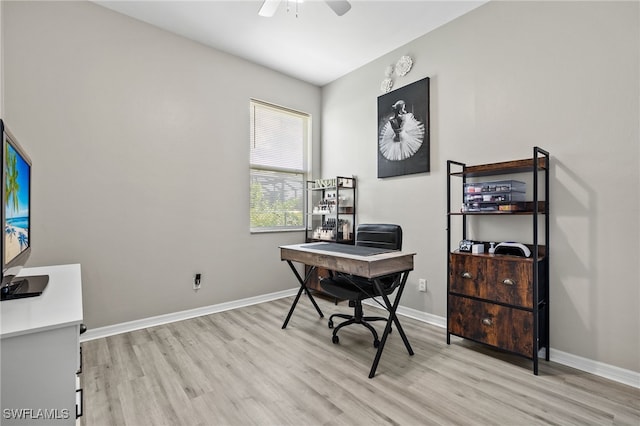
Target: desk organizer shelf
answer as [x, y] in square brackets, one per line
[331, 210]
[330, 216]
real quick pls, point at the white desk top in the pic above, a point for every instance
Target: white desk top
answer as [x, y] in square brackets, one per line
[58, 306]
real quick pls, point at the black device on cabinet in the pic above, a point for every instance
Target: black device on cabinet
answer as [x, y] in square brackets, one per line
[502, 300]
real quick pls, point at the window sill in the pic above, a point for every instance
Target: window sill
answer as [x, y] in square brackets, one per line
[271, 231]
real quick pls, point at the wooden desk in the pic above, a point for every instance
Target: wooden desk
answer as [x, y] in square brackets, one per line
[368, 266]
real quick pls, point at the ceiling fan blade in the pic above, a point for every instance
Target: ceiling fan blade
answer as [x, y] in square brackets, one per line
[268, 8]
[340, 7]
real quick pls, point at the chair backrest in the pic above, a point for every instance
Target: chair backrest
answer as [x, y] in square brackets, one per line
[379, 235]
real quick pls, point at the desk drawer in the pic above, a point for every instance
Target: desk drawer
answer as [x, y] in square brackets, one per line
[316, 276]
[501, 326]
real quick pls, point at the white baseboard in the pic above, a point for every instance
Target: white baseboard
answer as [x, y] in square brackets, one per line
[617, 374]
[423, 316]
[125, 327]
[611, 372]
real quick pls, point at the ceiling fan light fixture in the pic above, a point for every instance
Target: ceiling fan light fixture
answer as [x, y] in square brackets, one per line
[297, 3]
[340, 7]
[268, 8]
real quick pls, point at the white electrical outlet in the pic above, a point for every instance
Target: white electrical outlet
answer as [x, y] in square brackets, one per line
[422, 284]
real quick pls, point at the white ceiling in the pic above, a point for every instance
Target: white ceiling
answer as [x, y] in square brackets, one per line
[316, 46]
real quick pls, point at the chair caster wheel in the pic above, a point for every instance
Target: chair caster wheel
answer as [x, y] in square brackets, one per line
[335, 339]
[330, 324]
[376, 343]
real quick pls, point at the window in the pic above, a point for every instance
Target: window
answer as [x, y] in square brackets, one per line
[278, 167]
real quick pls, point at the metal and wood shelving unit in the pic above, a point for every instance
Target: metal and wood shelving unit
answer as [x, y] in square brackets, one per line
[502, 300]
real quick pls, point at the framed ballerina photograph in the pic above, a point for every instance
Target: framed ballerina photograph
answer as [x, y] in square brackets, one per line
[403, 130]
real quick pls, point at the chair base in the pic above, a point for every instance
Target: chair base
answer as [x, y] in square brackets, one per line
[355, 319]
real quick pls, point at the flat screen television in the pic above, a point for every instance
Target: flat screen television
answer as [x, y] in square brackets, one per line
[16, 221]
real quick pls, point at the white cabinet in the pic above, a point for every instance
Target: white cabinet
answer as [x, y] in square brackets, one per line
[40, 351]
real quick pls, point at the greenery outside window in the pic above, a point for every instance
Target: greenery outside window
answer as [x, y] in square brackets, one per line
[279, 140]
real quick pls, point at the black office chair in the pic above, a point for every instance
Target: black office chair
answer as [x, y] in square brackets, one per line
[356, 289]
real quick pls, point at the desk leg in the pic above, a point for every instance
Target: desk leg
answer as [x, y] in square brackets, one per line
[395, 317]
[303, 287]
[392, 318]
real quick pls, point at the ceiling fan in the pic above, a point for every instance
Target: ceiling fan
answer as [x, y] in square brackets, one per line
[269, 7]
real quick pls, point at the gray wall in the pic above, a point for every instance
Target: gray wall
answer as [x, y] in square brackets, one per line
[140, 143]
[504, 78]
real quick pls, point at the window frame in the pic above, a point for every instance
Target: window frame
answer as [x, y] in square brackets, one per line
[306, 162]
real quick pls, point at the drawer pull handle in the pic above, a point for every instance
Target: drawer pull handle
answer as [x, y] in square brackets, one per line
[508, 281]
[466, 275]
[487, 321]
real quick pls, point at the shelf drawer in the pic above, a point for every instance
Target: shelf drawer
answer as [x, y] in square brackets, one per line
[498, 279]
[468, 276]
[500, 326]
[512, 281]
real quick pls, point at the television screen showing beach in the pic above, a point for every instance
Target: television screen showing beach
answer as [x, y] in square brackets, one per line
[16, 227]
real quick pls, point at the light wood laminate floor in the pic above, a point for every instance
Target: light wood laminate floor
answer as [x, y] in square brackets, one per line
[240, 368]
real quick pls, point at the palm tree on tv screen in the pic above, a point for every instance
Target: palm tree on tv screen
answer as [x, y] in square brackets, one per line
[10, 231]
[12, 187]
[23, 240]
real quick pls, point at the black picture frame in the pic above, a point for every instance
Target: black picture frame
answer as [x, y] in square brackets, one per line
[403, 130]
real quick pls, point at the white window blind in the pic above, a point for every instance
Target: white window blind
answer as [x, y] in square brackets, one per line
[278, 167]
